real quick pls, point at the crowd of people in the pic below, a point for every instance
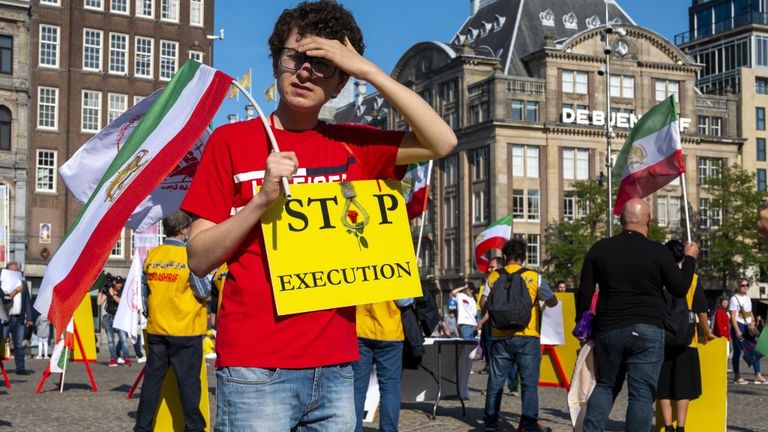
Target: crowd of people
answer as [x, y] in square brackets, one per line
[313, 368]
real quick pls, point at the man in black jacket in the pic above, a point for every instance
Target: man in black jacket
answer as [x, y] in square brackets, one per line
[631, 272]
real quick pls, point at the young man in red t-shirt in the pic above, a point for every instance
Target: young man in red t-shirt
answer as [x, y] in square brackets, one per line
[281, 372]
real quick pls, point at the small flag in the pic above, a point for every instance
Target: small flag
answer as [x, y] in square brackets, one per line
[652, 156]
[162, 138]
[233, 92]
[245, 80]
[128, 317]
[63, 350]
[492, 238]
[269, 92]
[416, 188]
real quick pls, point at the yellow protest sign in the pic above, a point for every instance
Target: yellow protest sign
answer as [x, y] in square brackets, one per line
[557, 363]
[709, 412]
[340, 244]
[170, 416]
[84, 323]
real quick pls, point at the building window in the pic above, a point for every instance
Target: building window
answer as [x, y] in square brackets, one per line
[761, 149]
[451, 254]
[761, 180]
[703, 212]
[533, 250]
[525, 161]
[661, 211]
[47, 108]
[49, 46]
[448, 91]
[479, 207]
[575, 82]
[665, 88]
[169, 59]
[118, 103]
[169, 10]
[91, 111]
[195, 55]
[51, 2]
[45, 171]
[5, 128]
[452, 119]
[119, 7]
[518, 204]
[517, 110]
[575, 164]
[92, 49]
[709, 168]
[622, 86]
[196, 13]
[714, 126]
[118, 53]
[532, 112]
[450, 170]
[761, 85]
[479, 160]
[760, 118]
[6, 54]
[533, 204]
[118, 251]
[94, 4]
[145, 8]
[449, 212]
[703, 125]
[143, 61]
[674, 211]
[479, 112]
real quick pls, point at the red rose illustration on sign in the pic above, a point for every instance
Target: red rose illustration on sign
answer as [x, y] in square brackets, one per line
[357, 231]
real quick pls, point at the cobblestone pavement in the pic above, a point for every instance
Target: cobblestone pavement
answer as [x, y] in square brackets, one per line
[81, 410]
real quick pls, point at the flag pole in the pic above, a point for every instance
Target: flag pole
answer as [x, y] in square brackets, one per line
[685, 203]
[64, 369]
[423, 212]
[267, 127]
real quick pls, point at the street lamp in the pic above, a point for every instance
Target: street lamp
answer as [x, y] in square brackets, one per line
[250, 111]
[214, 38]
[605, 70]
[232, 118]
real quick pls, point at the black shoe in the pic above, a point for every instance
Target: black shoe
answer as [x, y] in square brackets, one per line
[24, 372]
[537, 428]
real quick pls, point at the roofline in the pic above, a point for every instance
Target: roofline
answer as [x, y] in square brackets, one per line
[618, 6]
[514, 37]
[446, 48]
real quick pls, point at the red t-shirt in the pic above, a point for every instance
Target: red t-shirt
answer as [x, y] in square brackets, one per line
[250, 334]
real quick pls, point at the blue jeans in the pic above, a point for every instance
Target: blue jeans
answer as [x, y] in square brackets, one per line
[15, 327]
[388, 358]
[524, 353]
[122, 348]
[637, 351]
[255, 399]
[467, 332]
[738, 349]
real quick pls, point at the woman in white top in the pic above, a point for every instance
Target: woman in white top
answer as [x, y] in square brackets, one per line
[742, 317]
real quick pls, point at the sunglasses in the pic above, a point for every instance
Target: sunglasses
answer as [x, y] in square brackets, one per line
[294, 60]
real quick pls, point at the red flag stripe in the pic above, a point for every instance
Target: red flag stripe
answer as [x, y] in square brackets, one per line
[642, 183]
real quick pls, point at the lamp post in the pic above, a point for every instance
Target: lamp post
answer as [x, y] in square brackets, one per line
[605, 70]
[250, 111]
[214, 38]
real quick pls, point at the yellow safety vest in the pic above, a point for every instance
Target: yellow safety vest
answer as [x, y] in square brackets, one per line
[531, 279]
[380, 321]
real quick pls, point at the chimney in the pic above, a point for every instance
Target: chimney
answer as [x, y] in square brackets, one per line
[474, 6]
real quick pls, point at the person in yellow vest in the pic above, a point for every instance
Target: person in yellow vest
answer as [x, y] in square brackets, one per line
[175, 305]
[521, 349]
[217, 292]
[380, 341]
[680, 377]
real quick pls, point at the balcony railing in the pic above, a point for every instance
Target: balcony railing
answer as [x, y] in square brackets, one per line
[721, 26]
[522, 86]
[711, 103]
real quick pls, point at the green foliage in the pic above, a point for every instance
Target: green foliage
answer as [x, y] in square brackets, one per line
[732, 247]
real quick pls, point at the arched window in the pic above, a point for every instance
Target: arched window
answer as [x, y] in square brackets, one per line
[5, 128]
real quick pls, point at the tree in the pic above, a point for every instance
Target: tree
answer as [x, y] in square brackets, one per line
[567, 241]
[730, 245]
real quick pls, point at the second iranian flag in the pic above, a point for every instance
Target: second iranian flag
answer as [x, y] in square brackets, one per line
[652, 156]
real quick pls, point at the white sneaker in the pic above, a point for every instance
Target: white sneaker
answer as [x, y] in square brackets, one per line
[120, 360]
[740, 381]
[141, 360]
[38, 357]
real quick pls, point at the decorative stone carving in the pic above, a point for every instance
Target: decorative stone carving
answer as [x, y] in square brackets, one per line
[570, 21]
[593, 21]
[547, 18]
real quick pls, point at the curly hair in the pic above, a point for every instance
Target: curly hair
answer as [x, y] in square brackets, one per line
[324, 18]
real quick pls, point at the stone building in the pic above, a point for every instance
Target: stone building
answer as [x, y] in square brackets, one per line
[520, 83]
[14, 127]
[91, 60]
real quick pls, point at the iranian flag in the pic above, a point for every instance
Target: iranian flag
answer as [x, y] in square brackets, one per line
[173, 123]
[416, 184]
[64, 349]
[493, 237]
[652, 156]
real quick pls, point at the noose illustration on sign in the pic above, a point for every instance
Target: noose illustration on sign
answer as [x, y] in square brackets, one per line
[349, 217]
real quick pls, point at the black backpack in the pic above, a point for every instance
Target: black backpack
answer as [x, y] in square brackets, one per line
[419, 320]
[510, 305]
[679, 322]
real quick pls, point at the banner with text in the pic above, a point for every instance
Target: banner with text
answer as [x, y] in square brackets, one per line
[340, 244]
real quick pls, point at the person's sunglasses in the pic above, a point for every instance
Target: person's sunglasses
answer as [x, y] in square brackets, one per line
[293, 60]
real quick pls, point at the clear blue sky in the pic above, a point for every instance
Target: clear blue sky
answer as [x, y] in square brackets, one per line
[389, 27]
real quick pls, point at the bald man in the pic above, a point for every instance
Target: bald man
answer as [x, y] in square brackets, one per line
[632, 272]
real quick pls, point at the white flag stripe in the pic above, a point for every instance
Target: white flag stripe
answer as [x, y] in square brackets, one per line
[127, 316]
[656, 147]
[67, 255]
